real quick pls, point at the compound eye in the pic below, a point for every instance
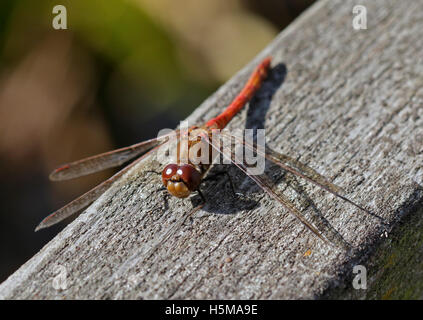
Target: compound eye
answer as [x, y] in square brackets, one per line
[168, 172]
[190, 176]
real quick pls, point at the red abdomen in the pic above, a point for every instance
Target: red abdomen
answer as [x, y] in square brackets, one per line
[250, 88]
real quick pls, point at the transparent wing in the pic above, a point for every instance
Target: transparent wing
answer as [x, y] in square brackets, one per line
[87, 198]
[104, 160]
[266, 185]
[296, 167]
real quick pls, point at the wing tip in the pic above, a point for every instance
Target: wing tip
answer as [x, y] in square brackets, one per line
[45, 223]
[39, 227]
[54, 176]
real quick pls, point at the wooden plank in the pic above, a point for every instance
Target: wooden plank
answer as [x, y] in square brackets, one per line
[346, 102]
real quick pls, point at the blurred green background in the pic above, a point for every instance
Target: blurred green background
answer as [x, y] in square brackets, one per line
[123, 70]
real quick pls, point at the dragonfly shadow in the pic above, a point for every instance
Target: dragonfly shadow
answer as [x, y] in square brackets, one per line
[245, 197]
[316, 217]
[256, 114]
[220, 179]
[260, 103]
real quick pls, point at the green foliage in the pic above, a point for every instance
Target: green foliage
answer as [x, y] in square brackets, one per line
[139, 54]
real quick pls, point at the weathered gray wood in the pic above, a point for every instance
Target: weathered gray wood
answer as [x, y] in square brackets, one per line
[350, 106]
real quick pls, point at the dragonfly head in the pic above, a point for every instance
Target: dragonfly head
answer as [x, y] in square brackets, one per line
[181, 180]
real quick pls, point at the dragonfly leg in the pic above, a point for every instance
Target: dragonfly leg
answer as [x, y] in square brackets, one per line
[203, 198]
[155, 172]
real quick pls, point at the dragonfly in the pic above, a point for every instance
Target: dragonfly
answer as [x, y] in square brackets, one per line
[183, 177]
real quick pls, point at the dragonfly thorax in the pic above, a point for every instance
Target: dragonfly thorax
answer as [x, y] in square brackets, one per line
[181, 180]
